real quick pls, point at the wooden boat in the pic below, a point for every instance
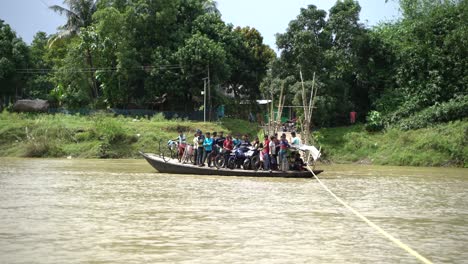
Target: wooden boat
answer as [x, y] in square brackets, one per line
[168, 165]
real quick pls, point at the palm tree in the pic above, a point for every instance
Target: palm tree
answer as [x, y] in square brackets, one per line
[211, 6]
[79, 15]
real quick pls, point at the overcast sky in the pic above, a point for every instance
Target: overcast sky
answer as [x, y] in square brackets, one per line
[269, 17]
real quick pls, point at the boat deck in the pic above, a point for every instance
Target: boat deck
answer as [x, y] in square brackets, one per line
[168, 165]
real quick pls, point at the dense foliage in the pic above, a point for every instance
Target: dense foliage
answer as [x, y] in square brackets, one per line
[127, 54]
[413, 71]
[113, 53]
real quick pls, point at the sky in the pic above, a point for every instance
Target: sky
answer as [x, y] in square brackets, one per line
[270, 17]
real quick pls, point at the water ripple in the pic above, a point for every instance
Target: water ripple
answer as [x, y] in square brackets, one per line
[74, 211]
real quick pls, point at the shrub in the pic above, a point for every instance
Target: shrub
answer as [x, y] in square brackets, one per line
[109, 128]
[42, 147]
[158, 118]
[374, 122]
[455, 109]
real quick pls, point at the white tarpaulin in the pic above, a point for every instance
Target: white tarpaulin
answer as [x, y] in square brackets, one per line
[313, 151]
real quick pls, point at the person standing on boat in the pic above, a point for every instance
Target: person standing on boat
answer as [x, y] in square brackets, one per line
[266, 153]
[200, 150]
[208, 146]
[195, 147]
[273, 154]
[214, 149]
[182, 142]
[295, 141]
[228, 146]
[284, 146]
[220, 140]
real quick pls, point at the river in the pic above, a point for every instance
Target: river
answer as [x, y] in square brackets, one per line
[122, 211]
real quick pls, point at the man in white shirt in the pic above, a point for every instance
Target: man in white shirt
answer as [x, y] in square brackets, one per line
[195, 147]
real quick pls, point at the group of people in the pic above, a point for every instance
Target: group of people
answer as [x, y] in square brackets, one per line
[273, 149]
[206, 145]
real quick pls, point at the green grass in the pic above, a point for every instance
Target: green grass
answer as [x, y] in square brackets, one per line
[106, 136]
[441, 145]
[97, 136]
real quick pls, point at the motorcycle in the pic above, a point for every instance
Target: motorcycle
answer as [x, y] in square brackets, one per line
[247, 157]
[252, 159]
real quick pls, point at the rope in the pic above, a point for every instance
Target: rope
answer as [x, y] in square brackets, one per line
[370, 223]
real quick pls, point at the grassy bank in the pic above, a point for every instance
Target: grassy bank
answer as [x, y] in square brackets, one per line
[106, 136]
[441, 145]
[96, 136]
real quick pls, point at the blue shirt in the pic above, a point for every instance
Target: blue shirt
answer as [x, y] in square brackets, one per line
[208, 144]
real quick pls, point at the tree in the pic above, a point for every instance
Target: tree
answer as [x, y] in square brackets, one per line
[303, 44]
[39, 84]
[79, 15]
[349, 56]
[430, 46]
[249, 59]
[14, 55]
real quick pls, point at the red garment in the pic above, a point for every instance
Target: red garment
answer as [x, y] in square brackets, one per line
[284, 144]
[266, 146]
[352, 117]
[228, 144]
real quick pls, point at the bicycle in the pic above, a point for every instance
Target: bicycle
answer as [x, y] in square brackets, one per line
[187, 156]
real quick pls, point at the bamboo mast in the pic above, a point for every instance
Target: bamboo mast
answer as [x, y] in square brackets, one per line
[305, 123]
[308, 107]
[280, 108]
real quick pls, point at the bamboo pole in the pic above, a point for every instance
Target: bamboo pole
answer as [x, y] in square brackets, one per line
[306, 119]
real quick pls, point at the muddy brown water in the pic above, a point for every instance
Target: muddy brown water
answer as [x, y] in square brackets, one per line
[122, 211]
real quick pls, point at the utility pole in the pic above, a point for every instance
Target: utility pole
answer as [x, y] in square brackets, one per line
[204, 99]
[209, 93]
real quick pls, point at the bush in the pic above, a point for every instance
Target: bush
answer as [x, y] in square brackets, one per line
[374, 122]
[455, 109]
[158, 118]
[42, 147]
[108, 128]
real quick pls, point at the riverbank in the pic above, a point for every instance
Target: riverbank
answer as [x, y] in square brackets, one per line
[106, 136]
[441, 145]
[97, 136]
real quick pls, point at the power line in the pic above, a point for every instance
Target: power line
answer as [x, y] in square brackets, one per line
[106, 69]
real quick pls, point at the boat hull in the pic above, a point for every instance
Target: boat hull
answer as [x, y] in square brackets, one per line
[174, 167]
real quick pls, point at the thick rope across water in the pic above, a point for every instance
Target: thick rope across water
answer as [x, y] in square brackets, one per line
[370, 223]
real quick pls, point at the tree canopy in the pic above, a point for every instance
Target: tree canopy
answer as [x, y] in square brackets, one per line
[117, 53]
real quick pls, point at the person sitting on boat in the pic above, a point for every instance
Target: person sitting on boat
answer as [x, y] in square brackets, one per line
[245, 141]
[243, 147]
[298, 163]
[284, 146]
[200, 150]
[182, 142]
[256, 143]
[236, 141]
[208, 148]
